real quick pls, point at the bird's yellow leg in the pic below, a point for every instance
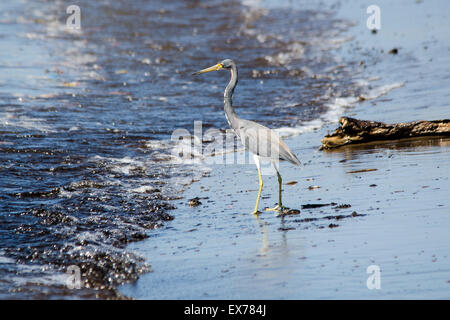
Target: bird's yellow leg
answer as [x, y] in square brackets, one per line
[279, 206]
[255, 211]
[258, 165]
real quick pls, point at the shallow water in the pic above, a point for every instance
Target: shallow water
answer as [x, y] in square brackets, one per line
[86, 118]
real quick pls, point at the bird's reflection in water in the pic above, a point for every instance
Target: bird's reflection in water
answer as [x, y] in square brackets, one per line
[265, 239]
[277, 260]
[267, 249]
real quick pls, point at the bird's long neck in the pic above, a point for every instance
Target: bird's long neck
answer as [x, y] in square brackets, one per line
[228, 98]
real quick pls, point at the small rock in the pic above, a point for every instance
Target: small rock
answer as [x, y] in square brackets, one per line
[194, 202]
[288, 212]
[314, 205]
[393, 51]
[342, 206]
[286, 228]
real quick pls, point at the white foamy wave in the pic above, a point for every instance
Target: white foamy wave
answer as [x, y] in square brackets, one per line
[295, 51]
[11, 120]
[4, 259]
[337, 108]
[143, 189]
[307, 126]
[63, 193]
[36, 274]
[157, 144]
[381, 91]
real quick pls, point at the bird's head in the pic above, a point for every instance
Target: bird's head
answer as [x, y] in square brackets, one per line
[224, 64]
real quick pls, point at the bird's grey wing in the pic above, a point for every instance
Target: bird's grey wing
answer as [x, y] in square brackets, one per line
[264, 142]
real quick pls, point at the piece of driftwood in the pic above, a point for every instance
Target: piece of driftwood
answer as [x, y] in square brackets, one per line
[354, 131]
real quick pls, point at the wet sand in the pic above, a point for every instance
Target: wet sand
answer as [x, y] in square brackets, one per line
[219, 251]
[393, 216]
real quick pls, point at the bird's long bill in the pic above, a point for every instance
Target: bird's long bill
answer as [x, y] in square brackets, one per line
[213, 68]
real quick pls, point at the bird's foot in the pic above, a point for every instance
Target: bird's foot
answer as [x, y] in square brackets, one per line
[256, 212]
[277, 208]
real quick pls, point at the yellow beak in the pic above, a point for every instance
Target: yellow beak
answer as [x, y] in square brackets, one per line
[213, 68]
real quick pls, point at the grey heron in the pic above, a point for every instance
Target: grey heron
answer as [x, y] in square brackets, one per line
[262, 142]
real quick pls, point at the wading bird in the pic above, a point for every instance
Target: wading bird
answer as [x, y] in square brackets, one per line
[262, 142]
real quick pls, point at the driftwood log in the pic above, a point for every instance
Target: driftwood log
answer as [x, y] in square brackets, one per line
[354, 131]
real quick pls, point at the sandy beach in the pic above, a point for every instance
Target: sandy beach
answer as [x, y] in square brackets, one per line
[385, 205]
[96, 203]
[219, 251]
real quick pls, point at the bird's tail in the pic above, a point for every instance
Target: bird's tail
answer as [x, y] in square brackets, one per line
[286, 154]
[294, 160]
[289, 156]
